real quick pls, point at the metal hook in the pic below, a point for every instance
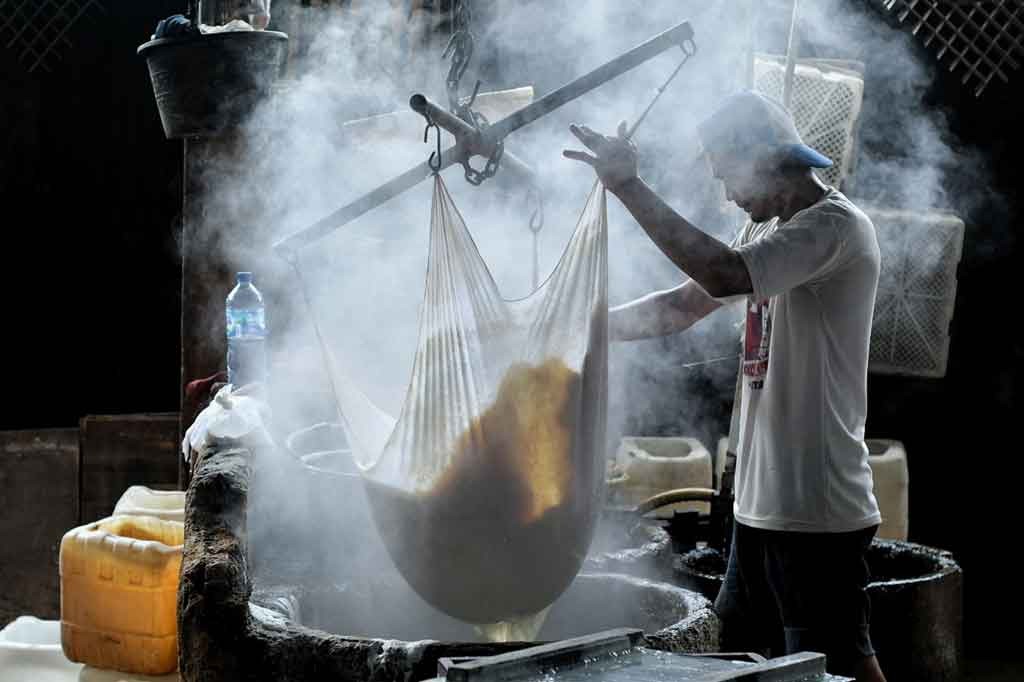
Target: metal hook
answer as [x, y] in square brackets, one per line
[537, 219]
[434, 162]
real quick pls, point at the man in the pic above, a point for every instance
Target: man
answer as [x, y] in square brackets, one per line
[807, 265]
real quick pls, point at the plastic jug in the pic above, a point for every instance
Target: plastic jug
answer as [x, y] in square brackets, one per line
[118, 585]
[139, 500]
[888, 461]
[653, 465]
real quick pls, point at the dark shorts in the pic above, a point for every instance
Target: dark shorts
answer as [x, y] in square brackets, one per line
[786, 592]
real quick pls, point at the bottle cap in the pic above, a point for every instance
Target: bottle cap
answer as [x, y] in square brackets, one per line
[244, 277]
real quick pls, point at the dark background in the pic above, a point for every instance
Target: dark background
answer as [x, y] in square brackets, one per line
[91, 275]
[91, 195]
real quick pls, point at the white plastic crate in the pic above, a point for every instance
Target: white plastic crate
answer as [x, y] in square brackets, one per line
[826, 105]
[916, 291]
[30, 651]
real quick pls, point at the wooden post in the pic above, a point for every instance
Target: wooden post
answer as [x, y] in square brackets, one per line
[204, 274]
[118, 451]
[225, 229]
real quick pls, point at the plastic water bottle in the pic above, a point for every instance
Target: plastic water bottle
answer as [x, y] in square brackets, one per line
[247, 333]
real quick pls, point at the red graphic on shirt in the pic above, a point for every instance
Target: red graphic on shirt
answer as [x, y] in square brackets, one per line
[758, 338]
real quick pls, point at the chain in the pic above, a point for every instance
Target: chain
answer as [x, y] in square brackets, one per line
[460, 48]
[689, 49]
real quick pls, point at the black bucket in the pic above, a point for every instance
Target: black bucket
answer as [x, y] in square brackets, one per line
[916, 611]
[916, 605]
[207, 84]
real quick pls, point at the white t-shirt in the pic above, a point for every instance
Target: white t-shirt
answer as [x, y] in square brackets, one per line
[802, 464]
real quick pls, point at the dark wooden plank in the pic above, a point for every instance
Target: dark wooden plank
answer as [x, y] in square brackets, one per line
[119, 451]
[38, 504]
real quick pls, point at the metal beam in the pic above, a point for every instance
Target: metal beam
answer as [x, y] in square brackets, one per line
[673, 37]
[563, 654]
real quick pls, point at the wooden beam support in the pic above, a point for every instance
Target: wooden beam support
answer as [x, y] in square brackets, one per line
[39, 481]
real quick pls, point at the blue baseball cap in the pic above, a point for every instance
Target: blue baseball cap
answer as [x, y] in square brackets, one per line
[750, 125]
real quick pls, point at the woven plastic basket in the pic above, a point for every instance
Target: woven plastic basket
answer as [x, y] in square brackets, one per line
[826, 105]
[916, 291]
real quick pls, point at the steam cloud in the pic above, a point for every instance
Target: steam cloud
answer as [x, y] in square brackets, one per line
[366, 280]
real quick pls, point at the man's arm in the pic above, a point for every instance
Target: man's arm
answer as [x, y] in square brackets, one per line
[718, 268]
[660, 313]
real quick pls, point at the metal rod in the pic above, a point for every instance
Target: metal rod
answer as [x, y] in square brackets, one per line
[673, 37]
[363, 204]
[468, 138]
[787, 83]
[751, 21]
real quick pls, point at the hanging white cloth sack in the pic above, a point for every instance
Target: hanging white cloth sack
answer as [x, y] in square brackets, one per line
[487, 486]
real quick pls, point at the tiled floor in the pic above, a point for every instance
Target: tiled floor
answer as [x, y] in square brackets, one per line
[994, 671]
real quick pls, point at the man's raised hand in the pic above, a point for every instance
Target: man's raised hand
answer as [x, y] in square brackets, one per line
[613, 158]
